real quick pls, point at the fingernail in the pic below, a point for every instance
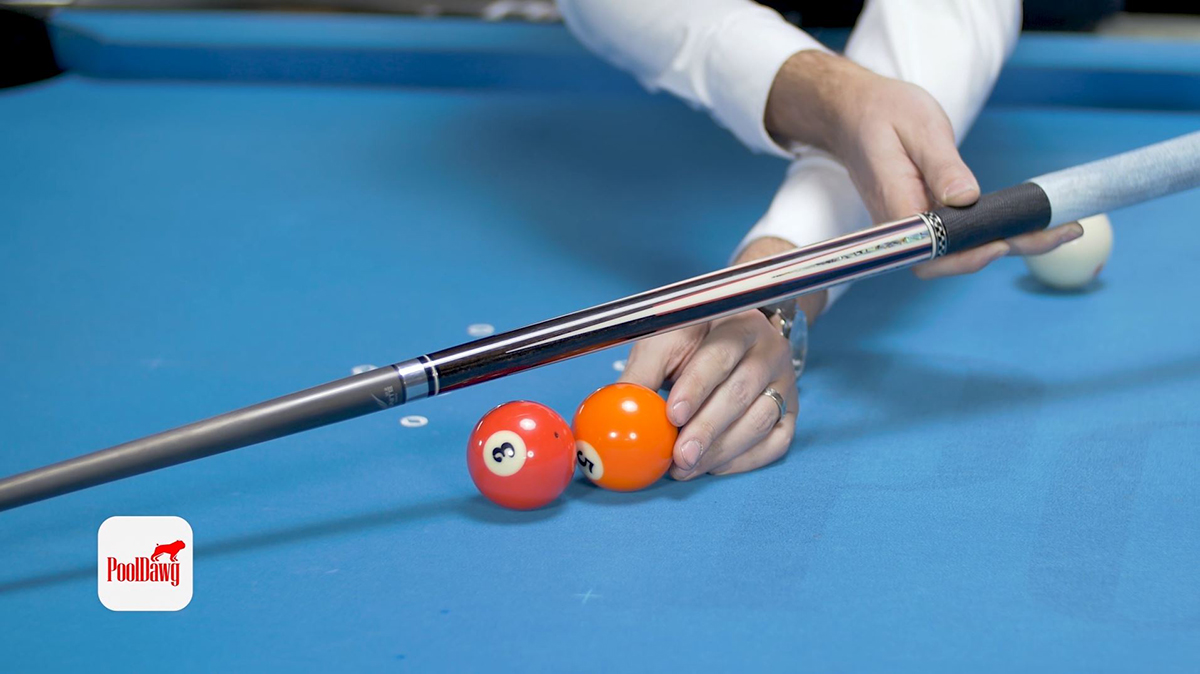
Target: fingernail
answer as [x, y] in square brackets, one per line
[690, 453]
[958, 188]
[1071, 232]
[681, 411]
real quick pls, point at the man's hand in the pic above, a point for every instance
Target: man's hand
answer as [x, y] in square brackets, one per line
[718, 372]
[896, 143]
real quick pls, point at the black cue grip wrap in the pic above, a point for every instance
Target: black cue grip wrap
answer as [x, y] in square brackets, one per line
[997, 215]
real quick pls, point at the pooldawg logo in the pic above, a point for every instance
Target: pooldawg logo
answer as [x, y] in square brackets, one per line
[138, 572]
[148, 569]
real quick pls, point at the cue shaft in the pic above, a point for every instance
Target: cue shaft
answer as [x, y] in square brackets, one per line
[871, 251]
[1160, 169]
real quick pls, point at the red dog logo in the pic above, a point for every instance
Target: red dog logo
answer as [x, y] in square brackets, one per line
[167, 549]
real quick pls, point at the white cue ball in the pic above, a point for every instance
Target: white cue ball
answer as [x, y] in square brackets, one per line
[1073, 265]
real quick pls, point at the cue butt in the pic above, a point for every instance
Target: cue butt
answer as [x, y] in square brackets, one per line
[1073, 193]
[997, 215]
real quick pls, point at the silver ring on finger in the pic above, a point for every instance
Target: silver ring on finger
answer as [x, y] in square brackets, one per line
[779, 400]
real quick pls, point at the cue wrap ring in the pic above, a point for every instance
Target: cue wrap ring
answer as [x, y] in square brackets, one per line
[780, 402]
[937, 229]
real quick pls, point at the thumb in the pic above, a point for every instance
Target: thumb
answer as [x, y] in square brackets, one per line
[645, 370]
[946, 175]
[650, 361]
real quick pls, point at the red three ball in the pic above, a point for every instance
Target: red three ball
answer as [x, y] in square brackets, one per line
[521, 455]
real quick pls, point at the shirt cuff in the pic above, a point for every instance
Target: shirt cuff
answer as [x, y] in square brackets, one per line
[746, 53]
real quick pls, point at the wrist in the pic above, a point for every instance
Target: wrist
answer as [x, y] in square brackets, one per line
[812, 304]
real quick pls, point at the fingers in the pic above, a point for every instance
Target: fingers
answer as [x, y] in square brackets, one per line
[652, 360]
[729, 401]
[887, 179]
[911, 158]
[711, 364]
[719, 375]
[738, 415]
[757, 431]
[769, 450]
[971, 261]
[966, 262]
[1046, 240]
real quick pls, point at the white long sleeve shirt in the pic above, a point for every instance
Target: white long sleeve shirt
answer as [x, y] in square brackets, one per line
[723, 55]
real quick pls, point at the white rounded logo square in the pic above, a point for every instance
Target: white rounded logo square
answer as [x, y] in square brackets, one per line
[144, 563]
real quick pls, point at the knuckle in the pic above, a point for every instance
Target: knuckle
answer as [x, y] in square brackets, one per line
[703, 431]
[747, 331]
[776, 447]
[645, 349]
[781, 347]
[763, 418]
[760, 371]
[777, 451]
[677, 348]
[749, 319]
[638, 350]
[691, 382]
[740, 392]
[786, 367]
[722, 357]
[787, 430]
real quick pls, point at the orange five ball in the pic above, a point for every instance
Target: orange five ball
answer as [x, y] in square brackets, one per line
[623, 439]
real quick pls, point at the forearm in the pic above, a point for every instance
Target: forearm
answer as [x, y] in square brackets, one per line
[954, 49]
[816, 99]
[721, 55]
[892, 39]
[809, 97]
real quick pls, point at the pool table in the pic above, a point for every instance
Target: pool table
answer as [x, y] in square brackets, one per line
[210, 209]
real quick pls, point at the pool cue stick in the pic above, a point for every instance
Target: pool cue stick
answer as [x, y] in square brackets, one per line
[1051, 199]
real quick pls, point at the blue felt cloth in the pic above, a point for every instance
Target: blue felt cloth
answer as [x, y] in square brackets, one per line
[987, 476]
